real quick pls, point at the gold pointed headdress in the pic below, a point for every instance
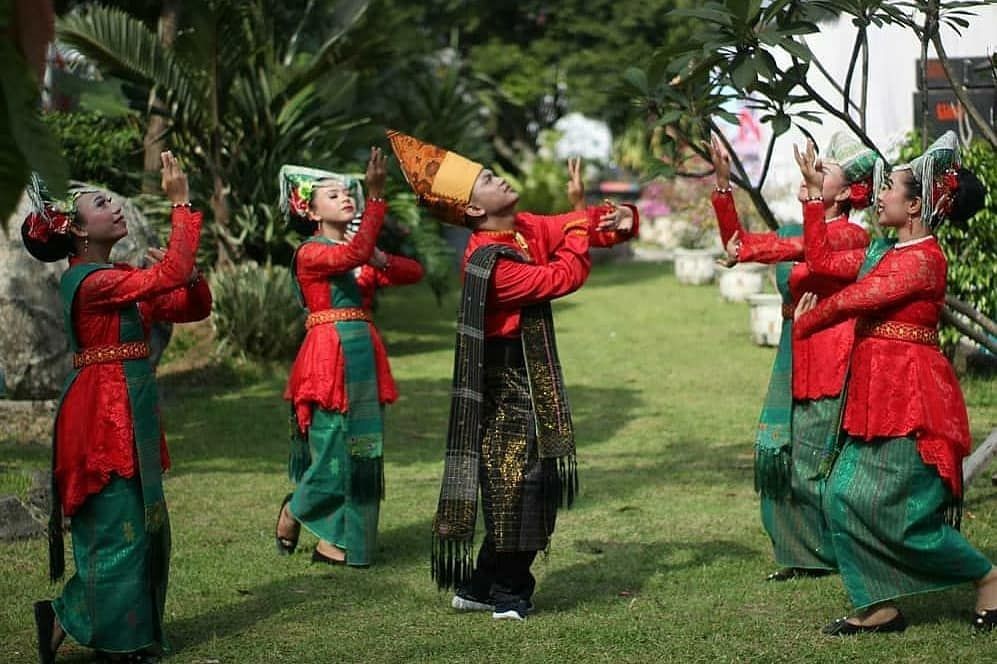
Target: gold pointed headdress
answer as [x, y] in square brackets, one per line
[442, 180]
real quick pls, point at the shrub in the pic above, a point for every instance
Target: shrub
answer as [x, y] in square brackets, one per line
[256, 313]
[100, 149]
[970, 251]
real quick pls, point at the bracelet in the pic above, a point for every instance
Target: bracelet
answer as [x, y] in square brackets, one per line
[723, 190]
[818, 197]
[180, 205]
[375, 199]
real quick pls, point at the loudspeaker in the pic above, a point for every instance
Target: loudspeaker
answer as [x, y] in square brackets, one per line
[945, 112]
[971, 72]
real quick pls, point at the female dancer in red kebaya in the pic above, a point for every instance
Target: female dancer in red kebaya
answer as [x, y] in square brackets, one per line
[109, 451]
[894, 495]
[799, 420]
[340, 378]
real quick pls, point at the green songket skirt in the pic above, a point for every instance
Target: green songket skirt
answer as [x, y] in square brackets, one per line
[886, 510]
[114, 602]
[796, 524]
[338, 492]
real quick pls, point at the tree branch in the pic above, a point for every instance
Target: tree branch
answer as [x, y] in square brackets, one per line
[930, 24]
[864, 103]
[968, 330]
[768, 160]
[834, 83]
[967, 310]
[856, 47]
[844, 117]
[960, 93]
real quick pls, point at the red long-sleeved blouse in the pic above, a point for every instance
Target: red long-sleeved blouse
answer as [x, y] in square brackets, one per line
[317, 377]
[820, 361]
[897, 388]
[558, 261]
[94, 435]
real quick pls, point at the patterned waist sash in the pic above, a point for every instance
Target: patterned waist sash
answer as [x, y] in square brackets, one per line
[133, 350]
[338, 315]
[918, 334]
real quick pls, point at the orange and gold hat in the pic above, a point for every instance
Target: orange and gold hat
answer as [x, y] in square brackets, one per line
[441, 179]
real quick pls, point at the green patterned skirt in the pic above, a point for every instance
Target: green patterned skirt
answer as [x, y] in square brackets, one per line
[115, 600]
[796, 525]
[338, 494]
[886, 510]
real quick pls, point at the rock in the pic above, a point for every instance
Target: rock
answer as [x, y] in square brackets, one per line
[16, 521]
[27, 421]
[34, 350]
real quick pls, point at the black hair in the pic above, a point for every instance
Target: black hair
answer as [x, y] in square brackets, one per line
[969, 198]
[56, 248]
[302, 225]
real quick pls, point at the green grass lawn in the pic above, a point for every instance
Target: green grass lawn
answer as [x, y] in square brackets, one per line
[662, 558]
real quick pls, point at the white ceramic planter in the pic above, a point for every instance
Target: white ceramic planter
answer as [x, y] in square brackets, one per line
[766, 318]
[740, 281]
[694, 266]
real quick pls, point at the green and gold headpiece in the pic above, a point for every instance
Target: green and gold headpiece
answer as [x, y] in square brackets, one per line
[298, 184]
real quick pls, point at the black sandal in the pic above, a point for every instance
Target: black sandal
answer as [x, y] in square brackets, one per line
[285, 545]
[45, 627]
[985, 621]
[841, 627]
[790, 573]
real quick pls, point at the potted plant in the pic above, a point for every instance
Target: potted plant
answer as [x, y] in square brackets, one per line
[765, 316]
[738, 282]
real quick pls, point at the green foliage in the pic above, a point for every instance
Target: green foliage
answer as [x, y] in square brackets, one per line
[542, 180]
[413, 233]
[255, 312]
[100, 149]
[970, 251]
[242, 98]
[26, 144]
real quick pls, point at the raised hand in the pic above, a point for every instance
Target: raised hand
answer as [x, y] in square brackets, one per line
[174, 179]
[378, 259]
[806, 303]
[721, 162]
[576, 188]
[732, 249]
[811, 169]
[619, 218]
[377, 173]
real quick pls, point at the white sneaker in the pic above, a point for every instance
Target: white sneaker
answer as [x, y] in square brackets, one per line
[509, 614]
[467, 604]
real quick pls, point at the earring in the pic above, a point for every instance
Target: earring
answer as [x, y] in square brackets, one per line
[86, 244]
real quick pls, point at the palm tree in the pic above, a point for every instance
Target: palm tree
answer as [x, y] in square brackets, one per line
[238, 95]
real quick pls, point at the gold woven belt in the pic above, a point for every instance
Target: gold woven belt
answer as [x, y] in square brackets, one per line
[918, 334]
[788, 311]
[133, 350]
[336, 316]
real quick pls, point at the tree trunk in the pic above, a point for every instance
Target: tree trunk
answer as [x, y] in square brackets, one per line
[929, 28]
[221, 213]
[157, 126]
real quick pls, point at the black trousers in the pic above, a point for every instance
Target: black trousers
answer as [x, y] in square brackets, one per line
[503, 576]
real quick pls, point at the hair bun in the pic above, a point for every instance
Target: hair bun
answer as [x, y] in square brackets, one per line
[968, 198]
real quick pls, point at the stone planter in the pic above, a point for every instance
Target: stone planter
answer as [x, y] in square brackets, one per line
[738, 282]
[694, 266]
[766, 318]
